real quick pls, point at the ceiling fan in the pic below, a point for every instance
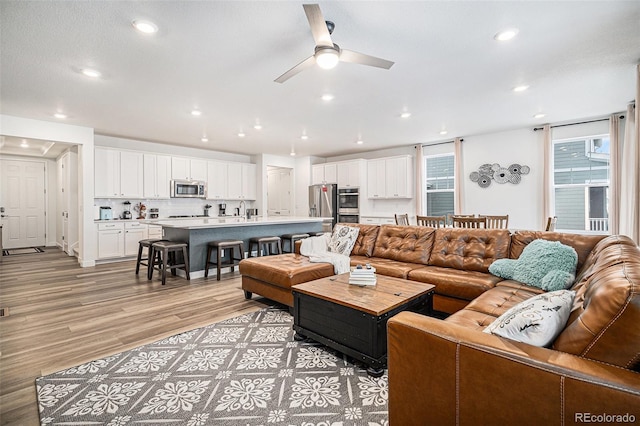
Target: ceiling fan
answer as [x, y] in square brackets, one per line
[327, 54]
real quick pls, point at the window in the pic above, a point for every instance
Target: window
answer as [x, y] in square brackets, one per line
[439, 170]
[581, 183]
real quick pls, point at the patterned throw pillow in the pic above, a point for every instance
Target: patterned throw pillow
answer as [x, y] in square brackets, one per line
[343, 239]
[536, 321]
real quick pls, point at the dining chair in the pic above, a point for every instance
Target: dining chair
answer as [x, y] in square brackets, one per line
[432, 221]
[496, 222]
[551, 223]
[402, 219]
[469, 222]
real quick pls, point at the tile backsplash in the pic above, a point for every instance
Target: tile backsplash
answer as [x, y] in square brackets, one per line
[170, 207]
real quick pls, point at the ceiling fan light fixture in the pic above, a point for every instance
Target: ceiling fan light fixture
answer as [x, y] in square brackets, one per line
[327, 57]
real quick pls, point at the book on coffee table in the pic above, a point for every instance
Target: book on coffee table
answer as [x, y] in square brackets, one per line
[363, 276]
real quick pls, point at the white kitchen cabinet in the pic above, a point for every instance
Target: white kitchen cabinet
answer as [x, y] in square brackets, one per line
[110, 240]
[157, 174]
[120, 239]
[324, 173]
[188, 168]
[242, 181]
[106, 173]
[377, 220]
[349, 173]
[154, 231]
[217, 180]
[399, 177]
[133, 233]
[376, 185]
[390, 177]
[118, 174]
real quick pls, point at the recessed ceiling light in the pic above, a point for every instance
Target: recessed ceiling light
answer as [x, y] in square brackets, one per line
[241, 135]
[89, 72]
[359, 142]
[405, 115]
[205, 139]
[258, 127]
[304, 137]
[292, 153]
[506, 35]
[539, 115]
[520, 88]
[24, 144]
[327, 97]
[443, 132]
[196, 112]
[146, 27]
[60, 115]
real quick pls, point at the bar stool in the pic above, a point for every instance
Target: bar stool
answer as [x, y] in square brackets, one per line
[219, 246]
[291, 238]
[265, 244]
[142, 244]
[315, 234]
[163, 256]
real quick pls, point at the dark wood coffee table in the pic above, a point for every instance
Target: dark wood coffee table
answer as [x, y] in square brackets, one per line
[353, 319]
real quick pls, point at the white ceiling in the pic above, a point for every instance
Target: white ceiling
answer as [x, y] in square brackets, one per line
[222, 57]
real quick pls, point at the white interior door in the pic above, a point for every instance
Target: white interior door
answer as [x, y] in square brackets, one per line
[22, 203]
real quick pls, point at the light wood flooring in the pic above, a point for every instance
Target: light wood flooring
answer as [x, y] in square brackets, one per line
[62, 315]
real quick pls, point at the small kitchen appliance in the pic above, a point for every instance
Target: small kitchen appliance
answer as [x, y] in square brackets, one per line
[206, 209]
[154, 213]
[222, 209]
[126, 214]
[105, 213]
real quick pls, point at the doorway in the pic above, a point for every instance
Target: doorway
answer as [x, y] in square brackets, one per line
[22, 203]
[279, 191]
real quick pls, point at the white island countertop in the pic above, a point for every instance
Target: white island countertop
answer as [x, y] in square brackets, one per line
[229, 221]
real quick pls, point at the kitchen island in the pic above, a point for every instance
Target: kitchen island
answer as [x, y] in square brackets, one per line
[199, 232]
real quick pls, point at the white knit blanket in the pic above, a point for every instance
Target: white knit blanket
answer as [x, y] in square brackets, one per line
[316, 249]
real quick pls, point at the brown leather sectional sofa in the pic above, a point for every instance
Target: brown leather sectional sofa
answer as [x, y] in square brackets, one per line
[449, 371]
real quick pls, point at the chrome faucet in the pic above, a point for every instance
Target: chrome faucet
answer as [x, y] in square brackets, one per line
[244, 209]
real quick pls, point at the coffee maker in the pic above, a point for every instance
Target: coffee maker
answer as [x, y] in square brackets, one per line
[222, 209]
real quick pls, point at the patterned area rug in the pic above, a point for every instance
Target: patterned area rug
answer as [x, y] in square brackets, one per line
[246, 370]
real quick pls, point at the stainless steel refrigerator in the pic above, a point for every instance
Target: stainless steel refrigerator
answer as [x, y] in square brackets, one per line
[323, 201]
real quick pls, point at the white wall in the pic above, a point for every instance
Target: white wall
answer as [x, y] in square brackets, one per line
[83, 137]
[522, 202]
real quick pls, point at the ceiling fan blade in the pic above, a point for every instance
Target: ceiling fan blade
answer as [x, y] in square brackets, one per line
[361, 58]
[318, 25]
[310, 61]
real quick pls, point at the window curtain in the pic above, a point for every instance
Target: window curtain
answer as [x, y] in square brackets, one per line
[614, 172]
[548, 204]
[629, 223]
[458, 182]
[420, 186]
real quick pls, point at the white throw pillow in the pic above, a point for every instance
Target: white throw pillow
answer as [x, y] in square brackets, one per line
[536, 321]
[343, 239]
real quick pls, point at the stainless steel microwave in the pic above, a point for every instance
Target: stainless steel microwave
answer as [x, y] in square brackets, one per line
[188, 189]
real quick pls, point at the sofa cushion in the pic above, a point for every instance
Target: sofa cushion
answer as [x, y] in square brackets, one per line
[284, 270]
[469, 249]
[411, 244]
[536, 321]
[583, 244]
[366, 239]
[388, 267]
[456, 283]
[605, 322]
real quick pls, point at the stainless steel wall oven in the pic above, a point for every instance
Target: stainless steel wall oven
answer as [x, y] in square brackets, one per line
[349, 205]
